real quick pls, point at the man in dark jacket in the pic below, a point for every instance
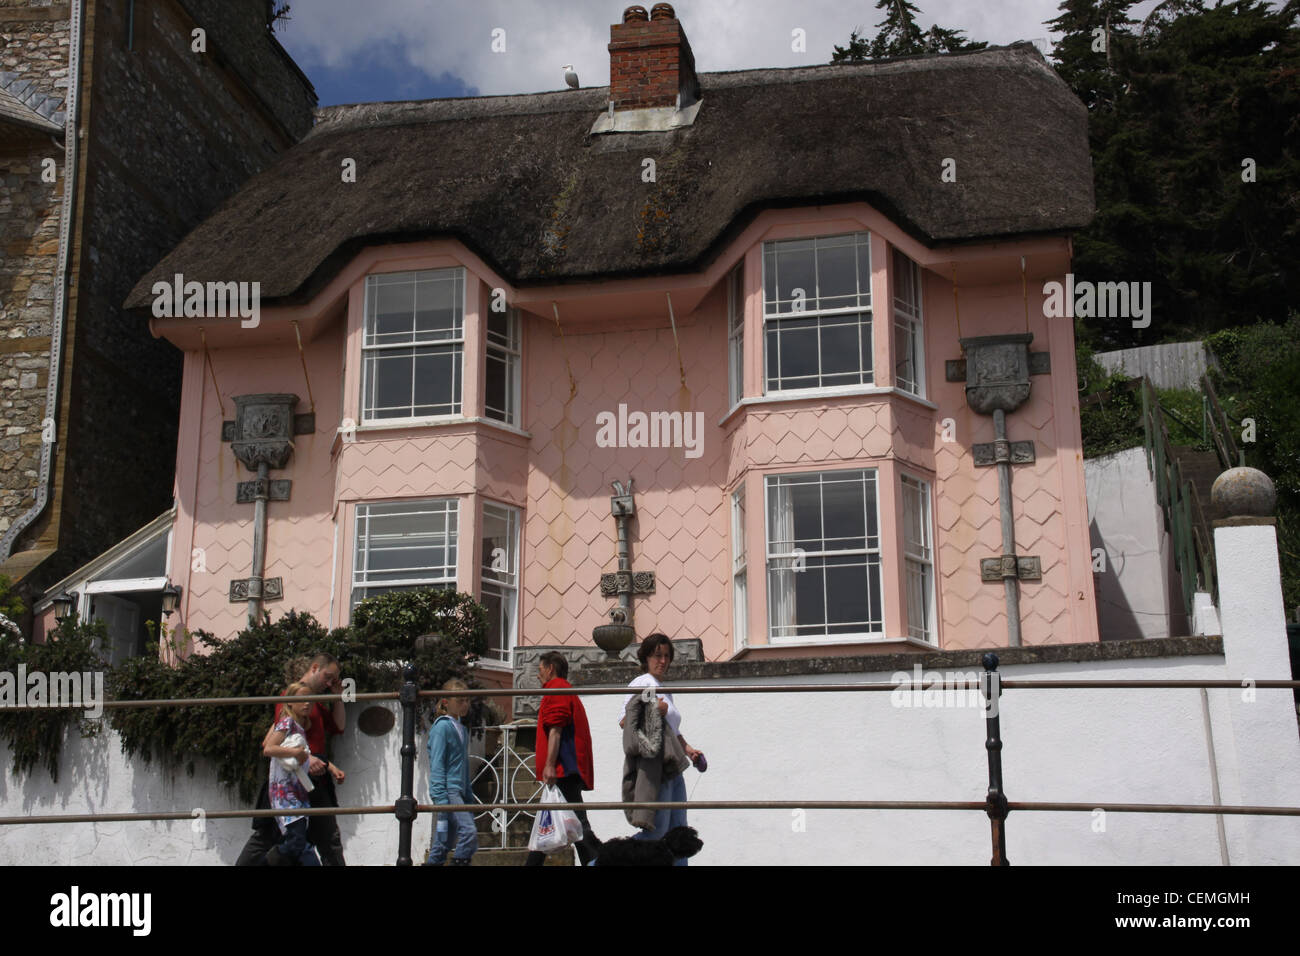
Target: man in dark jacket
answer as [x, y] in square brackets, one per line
[564, 748]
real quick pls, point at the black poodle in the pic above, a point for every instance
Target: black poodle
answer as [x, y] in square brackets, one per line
[625, 851]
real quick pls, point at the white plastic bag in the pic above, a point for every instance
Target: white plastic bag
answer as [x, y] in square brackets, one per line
[551, 828]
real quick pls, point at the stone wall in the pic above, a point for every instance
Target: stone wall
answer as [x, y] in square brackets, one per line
[169, 134]
[34, 41]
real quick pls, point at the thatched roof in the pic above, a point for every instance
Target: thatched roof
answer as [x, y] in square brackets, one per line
[521, 182]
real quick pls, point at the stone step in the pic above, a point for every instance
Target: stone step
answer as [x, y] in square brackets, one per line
[497, 857]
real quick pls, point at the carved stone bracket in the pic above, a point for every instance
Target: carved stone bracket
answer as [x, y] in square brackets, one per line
[993, 452]
[263, 429]
[1025, 568]
[241, 589]
[627, 582]
[274, 489]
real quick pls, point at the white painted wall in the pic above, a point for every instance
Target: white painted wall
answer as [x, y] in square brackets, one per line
[1138, 593]
[95, 777]
[1141, 746]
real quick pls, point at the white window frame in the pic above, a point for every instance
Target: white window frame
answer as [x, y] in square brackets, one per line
[918, 558]
[871, 476]
[739, 572]
[862, 313]
[453, 344]
[909, 327]
[503, 582]
[420, 577]
[736, 335]
[509, 352]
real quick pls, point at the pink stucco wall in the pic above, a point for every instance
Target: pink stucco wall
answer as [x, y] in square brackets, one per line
[615, 343]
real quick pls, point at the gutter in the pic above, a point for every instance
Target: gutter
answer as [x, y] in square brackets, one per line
[43, 480]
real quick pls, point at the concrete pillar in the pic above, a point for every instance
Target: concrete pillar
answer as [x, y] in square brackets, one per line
[1265, 733]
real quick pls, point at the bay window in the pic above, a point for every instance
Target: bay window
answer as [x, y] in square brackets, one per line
[499, 579]
[413, 345]
[823, 556]
[739, 582]
[817, 312]
[501, 390]
[918, 559]
[909, 359]
[403, 545]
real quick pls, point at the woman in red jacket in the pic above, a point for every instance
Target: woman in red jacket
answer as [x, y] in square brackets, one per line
[564, 748]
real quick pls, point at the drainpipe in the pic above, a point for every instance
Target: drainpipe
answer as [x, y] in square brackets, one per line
[1010, 584]
[59, 318]
[259, 545]
[996, 370]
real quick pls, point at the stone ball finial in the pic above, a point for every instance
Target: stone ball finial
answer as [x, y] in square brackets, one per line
[636, 14]
[1244, 493]
[663, 11]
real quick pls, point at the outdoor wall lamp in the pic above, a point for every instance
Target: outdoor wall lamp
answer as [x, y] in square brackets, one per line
[65, 606]
[171, 599]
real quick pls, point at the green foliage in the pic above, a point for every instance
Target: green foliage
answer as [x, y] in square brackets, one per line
[36, 736]
[1173, 114]
[11, 602]
[255, 664]
[1260, 372]
[899, 35]
[1184, 417]
[1113, 423]
[393, 621]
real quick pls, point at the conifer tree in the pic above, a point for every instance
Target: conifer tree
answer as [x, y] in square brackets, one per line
[899, 35]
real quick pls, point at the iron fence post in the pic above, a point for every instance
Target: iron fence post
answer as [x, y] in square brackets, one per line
[995, 804]
[405, 808]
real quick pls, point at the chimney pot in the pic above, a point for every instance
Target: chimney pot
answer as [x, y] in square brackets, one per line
[663, 11]
[636, 14]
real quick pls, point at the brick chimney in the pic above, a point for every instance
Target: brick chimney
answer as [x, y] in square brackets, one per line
[650, 61]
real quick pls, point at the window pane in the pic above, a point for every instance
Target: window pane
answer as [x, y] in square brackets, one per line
[796, 271]
[391, 374]
[437, 305]
[394, 303]
[837, 278]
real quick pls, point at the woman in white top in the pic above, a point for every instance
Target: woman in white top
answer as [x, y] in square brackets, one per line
[655, 655]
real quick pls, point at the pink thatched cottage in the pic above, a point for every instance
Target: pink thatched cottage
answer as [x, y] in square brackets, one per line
[795, 313]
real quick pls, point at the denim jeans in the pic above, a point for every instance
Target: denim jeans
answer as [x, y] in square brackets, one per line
[673, 789]
[453, 830]
[294, 846]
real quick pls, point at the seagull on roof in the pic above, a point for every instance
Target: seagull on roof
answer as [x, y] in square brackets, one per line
[569, 76]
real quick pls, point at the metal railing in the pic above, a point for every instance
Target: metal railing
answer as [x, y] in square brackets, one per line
[1189, 531]
[995, 804]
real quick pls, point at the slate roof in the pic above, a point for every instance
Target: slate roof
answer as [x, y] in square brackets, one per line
[521, 182]
[22, 104]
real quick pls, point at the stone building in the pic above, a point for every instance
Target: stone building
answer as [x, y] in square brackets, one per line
[123, 124]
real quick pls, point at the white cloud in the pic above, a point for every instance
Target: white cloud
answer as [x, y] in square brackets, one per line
[439, 36]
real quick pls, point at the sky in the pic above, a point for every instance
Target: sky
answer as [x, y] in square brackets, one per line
[366, 50]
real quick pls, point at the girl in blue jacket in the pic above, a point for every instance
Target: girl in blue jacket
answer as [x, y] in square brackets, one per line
[449, 780]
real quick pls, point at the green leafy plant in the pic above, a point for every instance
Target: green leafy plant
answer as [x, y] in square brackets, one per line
[11, 602]
[254, 664]
[36, 736]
